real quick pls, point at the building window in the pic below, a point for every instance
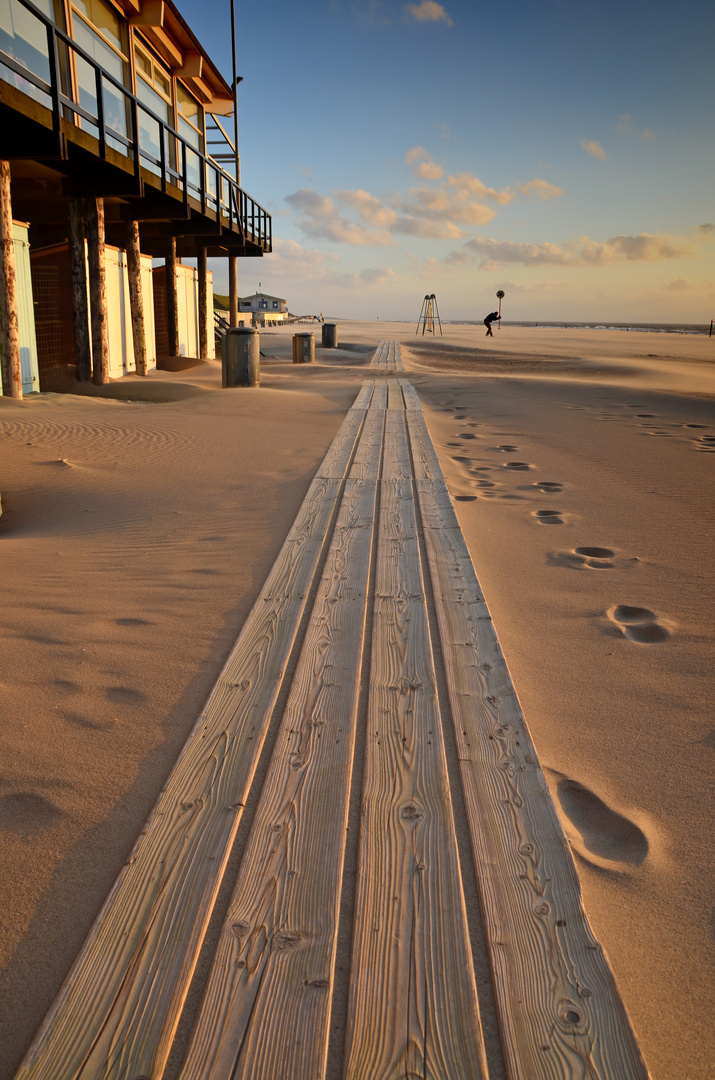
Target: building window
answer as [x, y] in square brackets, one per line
[154, 90]
[103, 33]
[24, 38]
[263, 304]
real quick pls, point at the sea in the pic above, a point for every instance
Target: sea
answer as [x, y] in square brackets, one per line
[635, 328]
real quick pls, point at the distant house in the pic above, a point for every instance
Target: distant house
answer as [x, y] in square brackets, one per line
[264, 308]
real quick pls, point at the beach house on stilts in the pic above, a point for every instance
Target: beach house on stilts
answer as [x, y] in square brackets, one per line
[108, 111]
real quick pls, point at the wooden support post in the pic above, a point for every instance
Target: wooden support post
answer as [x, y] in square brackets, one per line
[9, 330]
[78, 284]
[203, 304]
[233, 290]
[136, 300]
[98, 290]
[172, 298]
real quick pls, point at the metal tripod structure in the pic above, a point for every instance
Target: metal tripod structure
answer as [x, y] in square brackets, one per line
[429, 316]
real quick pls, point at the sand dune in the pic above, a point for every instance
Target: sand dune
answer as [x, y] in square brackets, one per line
[140, 522]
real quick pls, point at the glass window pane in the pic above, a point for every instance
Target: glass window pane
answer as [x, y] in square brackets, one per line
[143, 62]
[162, 82]
[153, 101]
[98, 50]
[106, 19]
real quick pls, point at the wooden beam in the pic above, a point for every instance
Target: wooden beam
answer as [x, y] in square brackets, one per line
[78, 283]
[233, 290]
[193, 66]
[203, 304]
[9, 328]
[136, 300]
[266, 1009]
[151, 14]
[98, 290]
[413, 1003]
[172, 297]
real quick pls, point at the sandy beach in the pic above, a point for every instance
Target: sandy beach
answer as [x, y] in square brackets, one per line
[140, 521]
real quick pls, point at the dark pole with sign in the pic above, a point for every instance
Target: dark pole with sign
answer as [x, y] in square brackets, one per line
[500, 297]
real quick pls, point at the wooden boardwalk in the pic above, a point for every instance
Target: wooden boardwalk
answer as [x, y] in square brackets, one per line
[371, 607]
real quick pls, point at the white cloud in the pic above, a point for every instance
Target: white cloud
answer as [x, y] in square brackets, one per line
[428, 11]
[371, 210]
[643, 247]
[319, 218]
[593, 148]
[429, 170]
[542, 189]
[417, 153]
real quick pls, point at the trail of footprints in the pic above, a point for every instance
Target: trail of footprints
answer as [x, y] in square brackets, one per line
[636, 624]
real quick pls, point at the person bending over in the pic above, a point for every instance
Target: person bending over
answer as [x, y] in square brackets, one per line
[488, 322]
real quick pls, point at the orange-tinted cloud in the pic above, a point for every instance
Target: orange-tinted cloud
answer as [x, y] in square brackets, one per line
[594, 149]
[428, 11]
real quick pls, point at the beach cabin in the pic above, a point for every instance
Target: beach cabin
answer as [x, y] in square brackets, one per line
[264, 308]
[108, 112]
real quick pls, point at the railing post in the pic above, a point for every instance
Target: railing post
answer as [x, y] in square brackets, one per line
[135, 148]
[9, 328]
[78, 281]
[184, 175]
[162, 156]
[54, 60]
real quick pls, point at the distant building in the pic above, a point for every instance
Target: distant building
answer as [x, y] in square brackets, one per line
[264, 308]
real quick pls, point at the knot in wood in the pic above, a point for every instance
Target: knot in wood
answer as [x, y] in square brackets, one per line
[543, 909]
[526, 849]
[288, 939]
[412, 812]
[570, 1015]
[320, 983]
[240, 929]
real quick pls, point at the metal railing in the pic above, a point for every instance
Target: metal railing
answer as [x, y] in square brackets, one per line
[177, 163]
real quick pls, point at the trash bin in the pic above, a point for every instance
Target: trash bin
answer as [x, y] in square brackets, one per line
[330, 335]
[241, 357]
[304, 348]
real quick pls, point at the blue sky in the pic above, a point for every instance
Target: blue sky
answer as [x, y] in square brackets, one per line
[564, 152]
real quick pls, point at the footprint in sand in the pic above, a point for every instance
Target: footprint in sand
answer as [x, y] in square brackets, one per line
[605, 833]
[507, 448]
[586, 558]
[467, 435]
[517, 466]
[465, 498]
[695, 425]
[548, 517]
[549, 487]
[638, 624]
[707, 442]
[647, 415]
[124, 695]
[133, 622]
[453, 445]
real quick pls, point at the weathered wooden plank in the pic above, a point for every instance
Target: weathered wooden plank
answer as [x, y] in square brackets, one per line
[116, 1014]
[98, 290]
[266, 1008]
[394, 395]
[412, 1009]
[560, 1011]
[136, 299]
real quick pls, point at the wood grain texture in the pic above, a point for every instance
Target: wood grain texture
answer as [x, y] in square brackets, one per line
[413, 1009]
[560, 1011]
[117, 1012]
[266, 1009]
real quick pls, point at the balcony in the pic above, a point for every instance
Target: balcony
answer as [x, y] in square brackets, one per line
[93, 135]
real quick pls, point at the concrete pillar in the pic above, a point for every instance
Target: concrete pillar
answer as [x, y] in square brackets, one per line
[172, 297]
[78, 284]
[203, 304]
[9, 330]
[136, 299]
[98, 291]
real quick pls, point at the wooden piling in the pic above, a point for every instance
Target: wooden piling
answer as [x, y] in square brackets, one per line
[98, 290]
[136, 299]
[203, 304]
[9, 330]
[78, 284]
[172, 298]
[233, 290]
